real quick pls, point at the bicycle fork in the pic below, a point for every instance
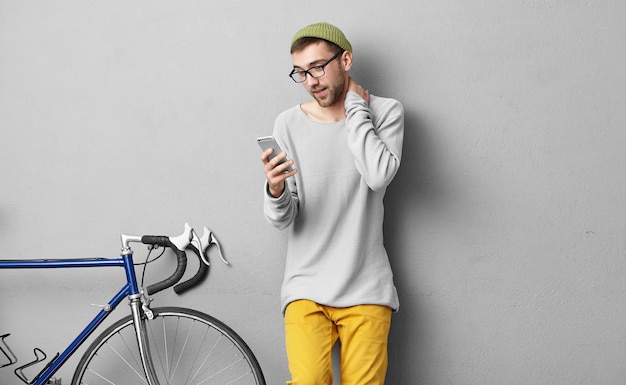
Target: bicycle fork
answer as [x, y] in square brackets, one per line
[137, 307]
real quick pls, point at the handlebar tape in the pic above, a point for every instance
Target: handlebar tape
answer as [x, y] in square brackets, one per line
[181, 259]
[200, 275]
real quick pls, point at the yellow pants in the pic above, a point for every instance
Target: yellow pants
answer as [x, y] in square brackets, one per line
[311, 331]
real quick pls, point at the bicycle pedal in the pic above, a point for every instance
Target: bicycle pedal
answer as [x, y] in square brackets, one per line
[54, 381]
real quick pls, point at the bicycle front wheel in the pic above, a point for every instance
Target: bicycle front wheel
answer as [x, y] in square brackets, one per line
[186, 346]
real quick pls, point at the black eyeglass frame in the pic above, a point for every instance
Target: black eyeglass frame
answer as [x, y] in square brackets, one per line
[306, 72]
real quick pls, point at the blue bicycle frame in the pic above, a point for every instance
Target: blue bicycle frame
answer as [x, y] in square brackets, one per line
[130, 289]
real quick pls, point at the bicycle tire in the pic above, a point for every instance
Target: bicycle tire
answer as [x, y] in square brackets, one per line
[187, 347]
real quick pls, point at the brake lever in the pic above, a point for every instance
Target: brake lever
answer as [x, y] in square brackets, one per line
[200, 247]
[195, 241]
[207, 240]
[182, 241]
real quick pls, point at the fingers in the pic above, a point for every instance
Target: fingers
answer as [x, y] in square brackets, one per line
[365, 94]
[276, 172]
[266, 154]
[355, 87]
[274, 168]
[265, 158]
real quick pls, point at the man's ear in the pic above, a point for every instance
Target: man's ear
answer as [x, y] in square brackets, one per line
[346, 60]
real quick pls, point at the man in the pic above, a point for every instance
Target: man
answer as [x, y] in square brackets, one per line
[344, 146]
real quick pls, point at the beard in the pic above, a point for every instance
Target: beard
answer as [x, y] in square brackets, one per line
[334, 91]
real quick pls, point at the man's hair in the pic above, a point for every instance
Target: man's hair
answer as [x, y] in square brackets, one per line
[304, 42]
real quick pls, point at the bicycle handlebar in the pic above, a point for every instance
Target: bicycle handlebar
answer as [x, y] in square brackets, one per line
[179, 244]
[181, 258]
[200, 275]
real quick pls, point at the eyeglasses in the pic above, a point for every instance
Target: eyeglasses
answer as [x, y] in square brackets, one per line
[314, 72]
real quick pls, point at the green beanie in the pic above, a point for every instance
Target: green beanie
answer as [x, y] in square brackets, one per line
[324, 31]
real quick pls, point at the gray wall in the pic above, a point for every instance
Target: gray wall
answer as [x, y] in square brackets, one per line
[505, 225]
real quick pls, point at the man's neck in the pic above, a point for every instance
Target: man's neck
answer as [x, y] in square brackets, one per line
[330, 114]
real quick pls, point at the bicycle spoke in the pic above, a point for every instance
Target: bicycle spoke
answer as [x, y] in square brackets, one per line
[196, 356]
[182, 350]
[218, 372]
[202, 365]
[139, 375]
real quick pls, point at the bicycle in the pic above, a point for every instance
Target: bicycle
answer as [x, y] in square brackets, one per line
[164, 345]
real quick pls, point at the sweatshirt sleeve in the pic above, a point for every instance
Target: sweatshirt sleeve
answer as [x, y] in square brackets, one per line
[375, 141]
[280, 212]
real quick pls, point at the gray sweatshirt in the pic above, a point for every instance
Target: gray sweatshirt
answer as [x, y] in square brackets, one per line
[333, 207]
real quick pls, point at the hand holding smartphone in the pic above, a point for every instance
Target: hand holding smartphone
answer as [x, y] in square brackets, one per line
[266, 142]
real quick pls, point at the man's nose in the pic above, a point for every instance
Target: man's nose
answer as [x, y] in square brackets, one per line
[310, 80]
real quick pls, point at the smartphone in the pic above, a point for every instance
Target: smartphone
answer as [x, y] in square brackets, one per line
[269, 142]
